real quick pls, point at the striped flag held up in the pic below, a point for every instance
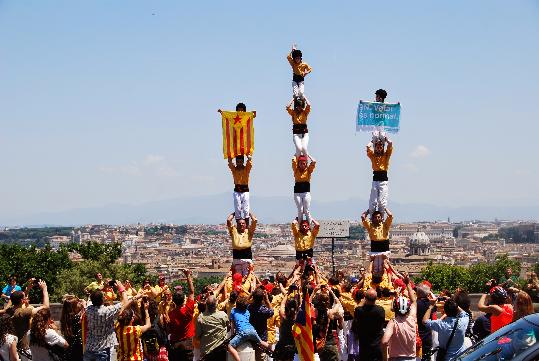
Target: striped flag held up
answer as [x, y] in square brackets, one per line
[238, 133]
[303, 331]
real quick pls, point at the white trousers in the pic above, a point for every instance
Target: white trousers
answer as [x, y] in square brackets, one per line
[303, 203]
[242, 266]
[379, 194]
[297, 88]
[241, 205]
[301, 142]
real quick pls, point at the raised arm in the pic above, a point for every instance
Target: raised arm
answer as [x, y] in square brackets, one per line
[189, 276]
[43, 287]
[493, 309]
[411, 293]
[427, 314]
[252, 226]
[229, 220]
[289, 105]
[147, 323]
[389, 214]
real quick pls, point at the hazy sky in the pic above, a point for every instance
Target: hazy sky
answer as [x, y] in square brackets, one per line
[115, 101]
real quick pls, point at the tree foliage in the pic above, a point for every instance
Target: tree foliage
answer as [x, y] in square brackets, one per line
[95, 251]
[472, 278]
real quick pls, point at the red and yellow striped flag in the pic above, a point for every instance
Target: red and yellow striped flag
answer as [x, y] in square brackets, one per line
[303, 331]
[238, 133]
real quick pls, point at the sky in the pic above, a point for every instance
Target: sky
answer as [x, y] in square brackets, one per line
[108, 102]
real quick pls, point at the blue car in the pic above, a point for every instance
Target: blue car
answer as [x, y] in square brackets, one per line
[516, 341]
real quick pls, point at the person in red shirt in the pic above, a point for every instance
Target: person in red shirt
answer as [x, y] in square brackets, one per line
[181, 327]
[499, 307]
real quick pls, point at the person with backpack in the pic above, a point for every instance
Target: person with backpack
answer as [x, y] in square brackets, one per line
[400, 333]
[451, 329]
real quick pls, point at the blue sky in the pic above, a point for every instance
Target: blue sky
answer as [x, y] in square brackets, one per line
[115, 102]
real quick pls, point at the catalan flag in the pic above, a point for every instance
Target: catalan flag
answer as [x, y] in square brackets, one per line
[303, 331]
[238, 133]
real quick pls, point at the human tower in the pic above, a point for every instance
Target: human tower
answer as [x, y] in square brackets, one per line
[238, 140]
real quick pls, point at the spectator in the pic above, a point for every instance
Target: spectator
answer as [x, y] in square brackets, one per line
[463, 301]
[11, 287]
[286, 346]
[164, 307]
[108, 292]
[329, 319]
[154, 340]
[400, 333]
[481, 327]
[244, 331]
[8, 341]
[98, 284]
[129, 336]
[130, 291]
[451, 329]
[368, 326]
[510, 280]
[423, 291]
[44, 338]
[100, 325]
[181, 327]
[523, 305]
[501, 311]
[71, 326]
[211, 330]
[260, 311]
[160, 288]
[21, 314]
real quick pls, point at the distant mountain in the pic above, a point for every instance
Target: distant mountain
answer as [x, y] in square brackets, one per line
[213, 209]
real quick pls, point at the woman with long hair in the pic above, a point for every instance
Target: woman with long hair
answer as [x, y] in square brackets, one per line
[71, 326]
[44, 338]
[8, 341]
[129, 335]
[328, 321]
[523, 305]
[286, 346]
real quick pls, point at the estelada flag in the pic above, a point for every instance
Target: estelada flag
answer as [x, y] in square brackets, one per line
[303, 331]
[238, 133]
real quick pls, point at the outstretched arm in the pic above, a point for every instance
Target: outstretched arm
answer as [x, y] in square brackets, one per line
[229, 220]
[254, 221]
[493, 309]
[189, 276]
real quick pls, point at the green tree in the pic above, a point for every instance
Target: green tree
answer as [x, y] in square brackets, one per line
[95, 251]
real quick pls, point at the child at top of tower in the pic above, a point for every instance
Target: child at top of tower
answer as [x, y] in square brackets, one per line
[240, 107]
[381, 95]
[300, 69]
[300, 132]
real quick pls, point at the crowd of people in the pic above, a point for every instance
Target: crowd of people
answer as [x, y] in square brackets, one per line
[353, 318]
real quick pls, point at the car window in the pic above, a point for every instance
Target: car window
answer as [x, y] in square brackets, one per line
[516, 339]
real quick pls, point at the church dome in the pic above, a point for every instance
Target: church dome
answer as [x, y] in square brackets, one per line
[419, 238]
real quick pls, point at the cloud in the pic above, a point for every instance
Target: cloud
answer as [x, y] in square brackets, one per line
[152, 165]
[420, 152]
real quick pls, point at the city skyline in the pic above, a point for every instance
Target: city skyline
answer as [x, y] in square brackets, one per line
[116, 104]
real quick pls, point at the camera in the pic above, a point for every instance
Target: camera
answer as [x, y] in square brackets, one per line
[112, 283]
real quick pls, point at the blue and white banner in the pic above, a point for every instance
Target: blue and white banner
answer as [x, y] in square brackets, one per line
[378, 116]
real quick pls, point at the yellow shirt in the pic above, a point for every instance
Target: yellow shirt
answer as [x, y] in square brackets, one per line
[271, 326]
[299, 69]
[387, 305]
[300, 118]
[241, 240]
[109, 295]
[159, 292]
[95, 286]
[130, 292]
[245, 286]
[303, 242]
[241, 176]
[348, 302]
[165, 307]
[379, 233]
[380, 162]
[302, 176]
[386, 283]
